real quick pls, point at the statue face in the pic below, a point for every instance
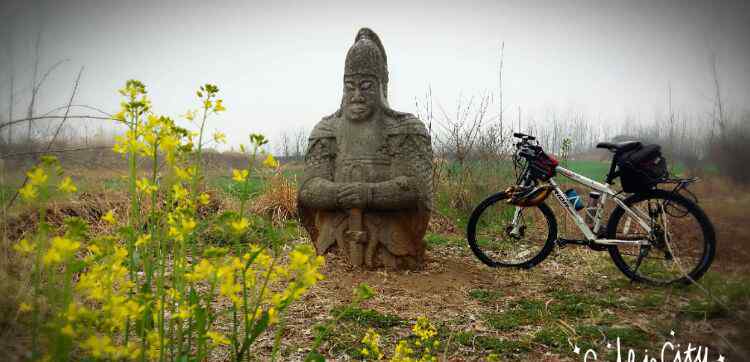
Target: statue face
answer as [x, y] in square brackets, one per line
[361, 97]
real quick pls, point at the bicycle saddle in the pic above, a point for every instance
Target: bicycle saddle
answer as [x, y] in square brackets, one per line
[620, 146]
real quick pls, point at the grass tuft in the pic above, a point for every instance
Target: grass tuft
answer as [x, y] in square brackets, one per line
[367, 317]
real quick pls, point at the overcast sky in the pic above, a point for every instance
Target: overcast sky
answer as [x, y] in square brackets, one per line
[279, 64]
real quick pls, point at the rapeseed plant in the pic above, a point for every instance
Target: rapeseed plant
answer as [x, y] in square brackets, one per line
[144, 290]
[371, 350]
[423, 348]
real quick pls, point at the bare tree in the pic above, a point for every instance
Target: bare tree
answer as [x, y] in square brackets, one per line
[719, 118]
[300, 143]
[284, 148]
[459, 132]
[57, 132]
[11, 83]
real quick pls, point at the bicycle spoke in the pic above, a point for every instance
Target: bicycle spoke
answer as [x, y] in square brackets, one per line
[677, 244]
[506, 235]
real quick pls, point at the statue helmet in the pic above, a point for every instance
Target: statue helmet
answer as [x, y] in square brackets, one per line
[367, 56]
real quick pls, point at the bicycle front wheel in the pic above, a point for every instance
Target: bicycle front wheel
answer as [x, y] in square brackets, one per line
[498, 241]
[683, 242]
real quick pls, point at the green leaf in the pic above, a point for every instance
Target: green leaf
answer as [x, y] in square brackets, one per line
[363, 292]
[227, 216]
[252, 258]
[259, 327]
[76, 266]
[314, 356]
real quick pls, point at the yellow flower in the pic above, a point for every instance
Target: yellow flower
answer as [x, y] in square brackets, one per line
[184, 174]
[183, 312]
[240, 175]
[424, 329]
[402, 353]
[37, 176]
[119, 116]
[145, 186]
[220, 137]
[371, 341]
[217, 338]
[189, 115]
[204, 198]
[270, 162]
[180, 193]
[119, 146]
[207, 104]
[203, 270]
[68, 330]
[109, 217]
[66, 185]
[273, 315]
[94, 249]
[219, 107]
[24, 307]
[52, 257]
[240, 225]
[169, 143]
[28, 192]
[99, 346]
[24, 247]
[143, 240]
[61, 249]
[188, 225]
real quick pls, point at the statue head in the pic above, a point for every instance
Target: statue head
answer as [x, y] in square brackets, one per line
[365, 77]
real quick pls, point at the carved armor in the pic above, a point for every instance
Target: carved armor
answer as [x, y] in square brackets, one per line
[386, 159]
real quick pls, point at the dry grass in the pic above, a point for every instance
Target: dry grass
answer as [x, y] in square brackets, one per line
[441, 224]
[278, 200]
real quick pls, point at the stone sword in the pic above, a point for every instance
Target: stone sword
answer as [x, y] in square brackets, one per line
[356, 235]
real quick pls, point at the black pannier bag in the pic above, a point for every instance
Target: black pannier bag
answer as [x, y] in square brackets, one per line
[642, 168]
[543, 167]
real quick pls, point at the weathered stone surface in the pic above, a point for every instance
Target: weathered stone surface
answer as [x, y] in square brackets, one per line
[366, 192]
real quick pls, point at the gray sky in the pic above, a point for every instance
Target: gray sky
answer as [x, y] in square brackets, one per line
[279, 64]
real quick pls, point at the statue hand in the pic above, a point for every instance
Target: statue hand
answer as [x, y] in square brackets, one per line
[355, 195]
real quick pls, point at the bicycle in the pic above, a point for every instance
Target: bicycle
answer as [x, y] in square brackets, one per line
[647, 234]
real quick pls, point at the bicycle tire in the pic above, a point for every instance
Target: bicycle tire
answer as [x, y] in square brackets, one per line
[706, 227]
[471, 234]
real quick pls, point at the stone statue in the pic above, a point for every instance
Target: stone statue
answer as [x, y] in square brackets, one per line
[366, 192]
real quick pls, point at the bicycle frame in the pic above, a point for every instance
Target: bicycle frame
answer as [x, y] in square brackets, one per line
[607, 192]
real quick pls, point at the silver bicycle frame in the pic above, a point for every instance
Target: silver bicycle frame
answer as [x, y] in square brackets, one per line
[607, 192]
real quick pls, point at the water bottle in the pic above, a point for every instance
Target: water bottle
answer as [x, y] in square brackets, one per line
[591, 207]
[574, 199]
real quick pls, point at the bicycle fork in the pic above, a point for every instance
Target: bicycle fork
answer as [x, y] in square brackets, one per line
[516, 230]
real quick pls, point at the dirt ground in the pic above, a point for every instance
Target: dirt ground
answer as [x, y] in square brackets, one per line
[445, 291]
[584, 300]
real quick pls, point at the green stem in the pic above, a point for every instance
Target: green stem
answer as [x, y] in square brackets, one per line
[277, 338]
[150, 254]
[246, 341]
[37, 280]
[133, 217]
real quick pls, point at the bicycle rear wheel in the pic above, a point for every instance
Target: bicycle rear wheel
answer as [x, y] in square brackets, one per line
[497, 242]
[683, 239]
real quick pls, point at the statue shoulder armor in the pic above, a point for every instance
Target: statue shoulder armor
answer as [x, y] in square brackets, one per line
[400, 123]
[326, 128]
